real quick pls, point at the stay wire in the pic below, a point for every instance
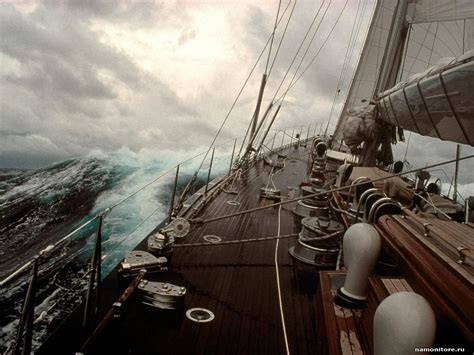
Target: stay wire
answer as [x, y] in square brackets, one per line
[308, 47]
[282, 37]
[317, 53]
[301, 45]
[273, 36]
[347, 55]
[236, 99]
[250, 123]
[326, 192]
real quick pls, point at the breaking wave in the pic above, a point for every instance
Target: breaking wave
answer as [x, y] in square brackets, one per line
[39, 207]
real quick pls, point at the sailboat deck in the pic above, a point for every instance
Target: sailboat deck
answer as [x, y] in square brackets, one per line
[236, 282]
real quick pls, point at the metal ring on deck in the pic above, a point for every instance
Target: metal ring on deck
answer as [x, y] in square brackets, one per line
[233, 203]
[199, 315]
[212, 239]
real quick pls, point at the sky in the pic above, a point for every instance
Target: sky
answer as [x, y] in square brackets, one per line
[81, 76]
[85, 75]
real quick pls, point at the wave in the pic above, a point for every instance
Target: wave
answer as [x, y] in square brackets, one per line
[39, 207]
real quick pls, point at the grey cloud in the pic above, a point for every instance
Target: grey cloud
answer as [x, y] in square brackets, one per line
[186, 35]
[135, 13]
[54, 86]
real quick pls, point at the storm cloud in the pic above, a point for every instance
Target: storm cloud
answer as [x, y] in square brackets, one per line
[78, 76]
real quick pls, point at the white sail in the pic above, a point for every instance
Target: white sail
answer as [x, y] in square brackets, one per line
[439, 10]
[366, 75]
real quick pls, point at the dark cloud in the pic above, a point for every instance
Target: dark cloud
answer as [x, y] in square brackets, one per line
[59, 79]
[67, 87]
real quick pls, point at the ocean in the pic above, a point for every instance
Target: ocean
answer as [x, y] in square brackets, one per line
[39, 207]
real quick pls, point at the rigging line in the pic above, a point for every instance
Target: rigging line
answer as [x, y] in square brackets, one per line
[282, 314]
[326, 192]
[233, 242]
[406, 150]
[346, 87]
[160, 176]
[273, 36]
[432, 45]
[237, 98]
[308, 46]
[301, 46]
[282, 37]
[344, 64]
[250, 123]
[115, 247]
[354, 39]
[317, 53]
[361, 63]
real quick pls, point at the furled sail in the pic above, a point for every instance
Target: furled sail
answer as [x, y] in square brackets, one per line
[438, 102]
[435, 89]
[436, 76]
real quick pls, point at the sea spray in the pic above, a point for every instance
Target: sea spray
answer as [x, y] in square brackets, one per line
[91, 184]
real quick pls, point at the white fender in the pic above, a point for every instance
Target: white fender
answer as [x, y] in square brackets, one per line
[402, 322]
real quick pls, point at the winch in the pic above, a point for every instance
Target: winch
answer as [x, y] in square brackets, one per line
[136, 260]
[161, 295]
[321, 232]
[162, 243]
[318, 242]
[314, 206]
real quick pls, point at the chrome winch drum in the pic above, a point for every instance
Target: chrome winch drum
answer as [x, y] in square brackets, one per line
[318, 242]
[314, 206]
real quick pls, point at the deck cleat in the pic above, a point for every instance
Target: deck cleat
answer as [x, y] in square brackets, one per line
[136, 260]
[161, 295]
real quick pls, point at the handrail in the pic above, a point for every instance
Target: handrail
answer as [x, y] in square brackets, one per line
[45, 252]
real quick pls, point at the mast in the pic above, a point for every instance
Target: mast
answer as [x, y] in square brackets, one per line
[394, 50]
[386, 78]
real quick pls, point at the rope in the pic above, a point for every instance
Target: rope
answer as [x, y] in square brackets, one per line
[237, 98]
[278, 284]
[240, 241]
[282, 37]
[162, 175]
[218, 218]
[273, 37]
[344, 65]
[317, 53]
[301, 44]
[250, 123]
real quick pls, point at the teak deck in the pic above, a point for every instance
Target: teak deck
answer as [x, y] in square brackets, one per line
[346, 331]
[236, 282]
